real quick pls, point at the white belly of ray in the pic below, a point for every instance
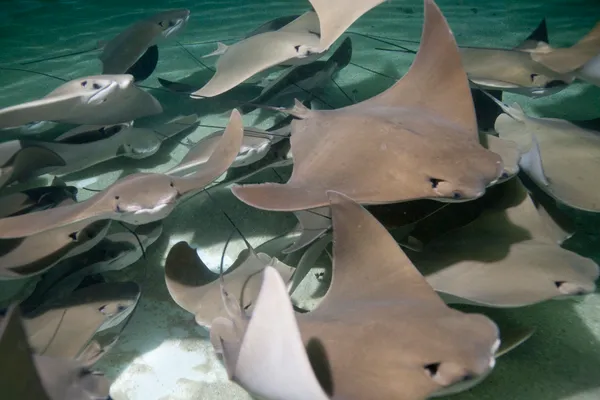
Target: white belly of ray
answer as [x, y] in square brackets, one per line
[147, 215]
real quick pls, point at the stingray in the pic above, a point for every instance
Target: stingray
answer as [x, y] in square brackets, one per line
[115, 252]
[37, 253]
[294, 43]
[505, 257]
[569, 59]
[196, 289]
[138, 198]
[62, 328]
[416, 140]
[255, 146]
[17, 163]
[304, 78]
[513, 70]
[39, 198]
[415, 345]
[30, 376]
[590, 71]
[92, 100]
[560, 157]
[87, 146]
[134, 51]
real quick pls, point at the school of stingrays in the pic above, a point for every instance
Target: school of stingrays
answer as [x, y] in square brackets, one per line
[426, 199]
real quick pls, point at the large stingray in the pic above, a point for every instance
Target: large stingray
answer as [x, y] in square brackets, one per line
[62, 328]
[198, 290]
[86, 146]
[28, 376]
[304, 78]
[39, 198]
[34, 254]
[505, 258]
[381, 332]
[92, 100]
[257, 53]
[18, 163]
[416, 140]
[134, 51]
[569, 59]
[138, 199]
[559, 156]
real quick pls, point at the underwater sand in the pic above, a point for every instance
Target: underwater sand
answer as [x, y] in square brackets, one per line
[163, 354]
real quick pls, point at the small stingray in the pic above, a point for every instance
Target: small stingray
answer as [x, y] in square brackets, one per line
[134, 51]
[28, 376]
[569, 59]
[19, 163]
[197, 289]
[137, 199]
[504, 258]
[304, 78]
[93, 100]
[242, 60]
[513, 70]
[62, 328]
[35, 199]
[34, 254]
[560, 157]
[416, 140]
[255, 146]
[115, 252]
[417, 346]
[86, 146]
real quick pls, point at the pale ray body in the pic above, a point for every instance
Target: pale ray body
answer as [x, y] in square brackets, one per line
[42, 377]
[93, 100]
[505, 258]
[137, 199]
[63, 327]
[18, 163]
[125, 49]
[86, 146]
[560, 157]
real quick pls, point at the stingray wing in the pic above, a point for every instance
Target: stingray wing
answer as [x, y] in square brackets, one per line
[122, 52]
[335, 16]
[368, 264]
[219, 161]
[95, 208]
[20, 379]
[247, 58]
[567, 60]
[51, 108]
[270, 360]
[436, 80]
[312, 224]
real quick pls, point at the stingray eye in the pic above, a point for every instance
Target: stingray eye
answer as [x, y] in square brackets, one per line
[435, 182]
[73, 236]
[84, 83]
[456, 195]
[297, 48]
[172, 184]
[161, 24]
[102, 309]
[117, 197]
[96, 86]
[171, 23]
[121, 308]
[533, 76]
